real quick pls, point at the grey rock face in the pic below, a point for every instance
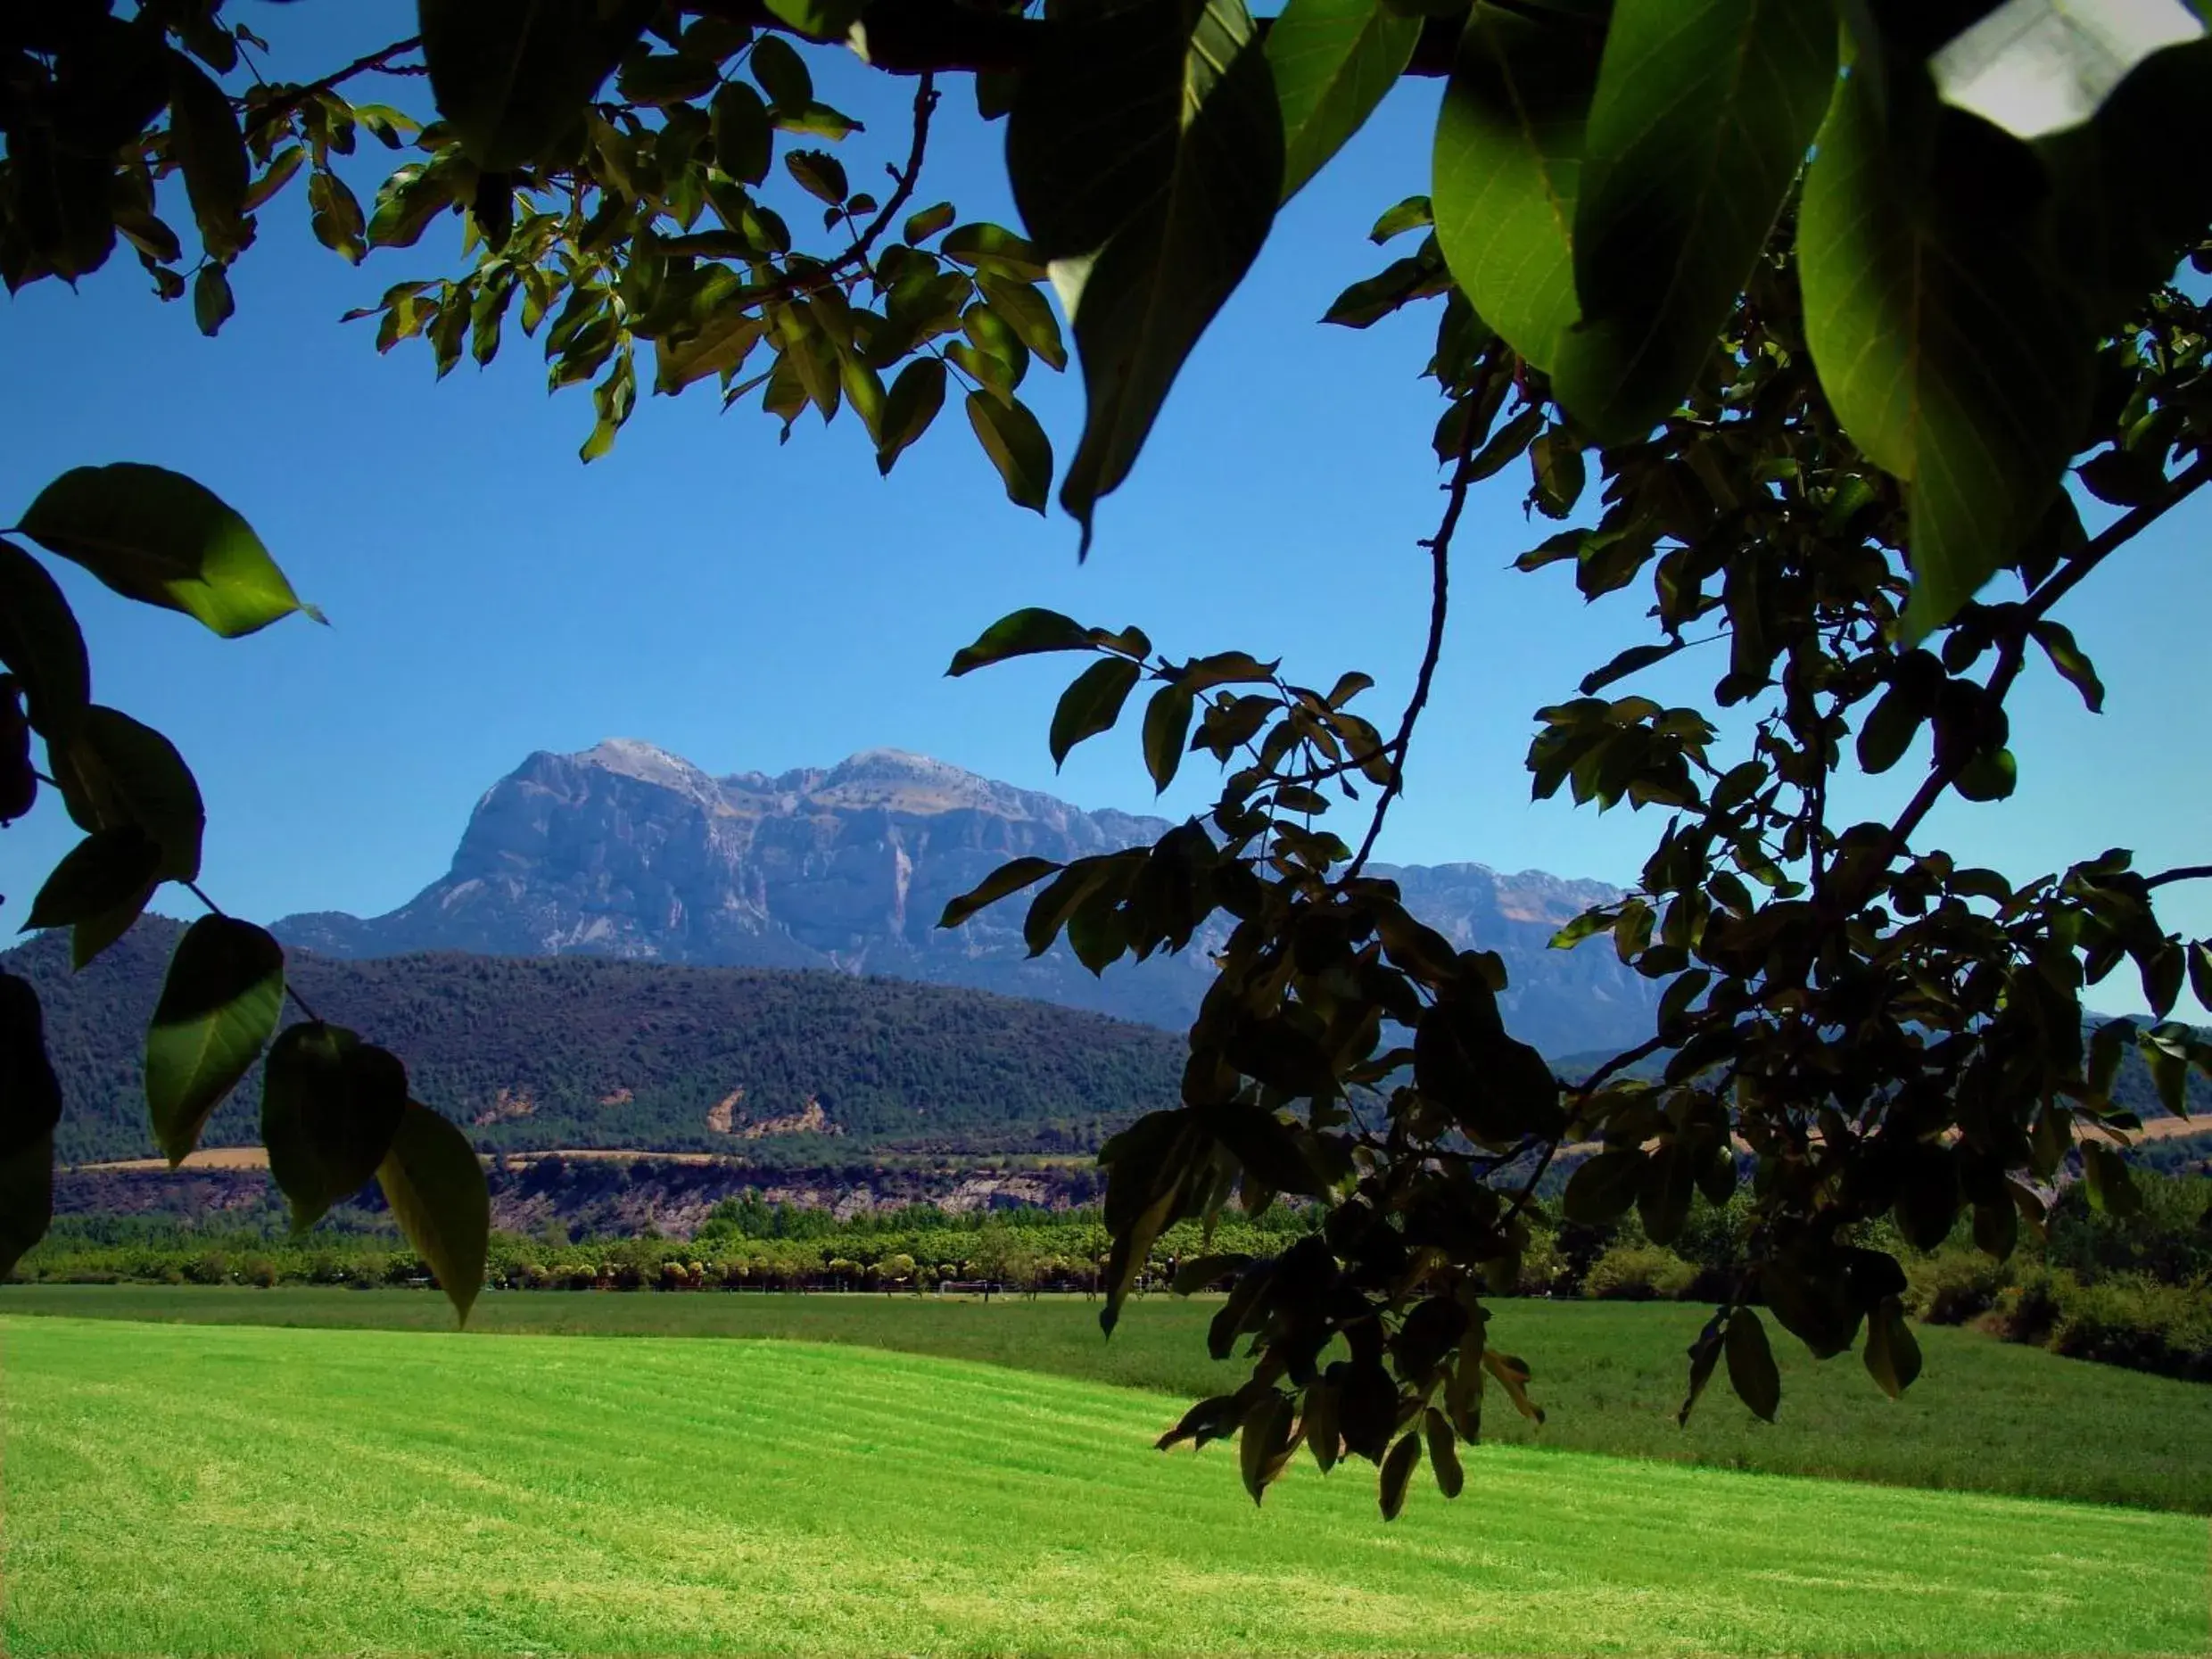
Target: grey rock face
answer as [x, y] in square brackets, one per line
[625, 850]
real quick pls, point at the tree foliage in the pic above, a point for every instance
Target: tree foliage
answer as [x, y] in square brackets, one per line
[1825, 322]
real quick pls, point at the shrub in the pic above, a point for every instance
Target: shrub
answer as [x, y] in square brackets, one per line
[1952, 1286]
[2134, 1321]
[1639, 1273]
[1544, 1267]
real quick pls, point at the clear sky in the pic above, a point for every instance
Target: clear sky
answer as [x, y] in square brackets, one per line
[755, 606]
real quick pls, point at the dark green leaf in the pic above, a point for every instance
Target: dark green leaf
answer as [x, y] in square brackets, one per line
[218, 1006]
[1890, 729]
[1508, 163]
[25, 1198]
[1705, 1353]
[1988, 777]
[1017, 445]
[743, 141]
[1893, 1354]
[782, 73]
[1955, 357]
[104, 870]
[1166, 728]
[1008, 878]
[440, 1198]
[40, 643]
[1751, 1368]
[992, 247]
[330, 1106]
[1092, 703]
[212, 305]
[30, 1095]
[912, 402]
[1026, 311]
[1146, 154]
[1444, 1454]
[819, 173]
[511, 77]
[922, 225]
[157, 536]
[1333, 61]
[1398, 1469]
[1700, 120]
[114, 772]
[821, 19]
[211, 151]
[1263, 1444]
[1023, 633]
[1414, 213]
[1603, 1187]
[2072, 663]
[2106, 1177]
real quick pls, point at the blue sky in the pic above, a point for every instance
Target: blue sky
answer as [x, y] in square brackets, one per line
[752, 606]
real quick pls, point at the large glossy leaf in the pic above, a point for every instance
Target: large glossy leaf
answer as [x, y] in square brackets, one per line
[512, 76]
[40, 643]
[1146, 154]
[1333, 61]
[330, 1106]
[1699, 123]
[157, 536]
[114, 772]
[30, 1096]
[440, 1198]
[1508, 167]
[25, 1198]
[218, 1006]
[1953, 356]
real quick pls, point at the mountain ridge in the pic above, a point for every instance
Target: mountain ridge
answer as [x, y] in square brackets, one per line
[629, 851]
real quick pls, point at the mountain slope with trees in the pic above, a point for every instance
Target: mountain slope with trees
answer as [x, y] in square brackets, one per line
[580, 1051]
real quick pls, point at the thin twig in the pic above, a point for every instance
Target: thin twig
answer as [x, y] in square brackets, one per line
[789, 287]
[290, 990]
[1440, 599]
[276, 109]
[2187, 872]
[2012, 652]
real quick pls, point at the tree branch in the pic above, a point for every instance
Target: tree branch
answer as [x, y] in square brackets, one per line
[379, 60]
[2187, 872]
[2010, 654]
[945, 37]
[1440, 599]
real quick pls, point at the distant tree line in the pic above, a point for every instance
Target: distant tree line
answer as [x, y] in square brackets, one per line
[2135, 1291]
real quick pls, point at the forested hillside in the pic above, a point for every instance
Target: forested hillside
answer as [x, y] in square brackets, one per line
[578, 1050]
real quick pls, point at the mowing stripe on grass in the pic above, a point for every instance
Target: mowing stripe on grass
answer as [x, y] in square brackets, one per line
[220, 1489]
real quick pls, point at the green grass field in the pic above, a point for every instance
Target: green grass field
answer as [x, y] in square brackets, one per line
[1986, 1416]
[206, 1489]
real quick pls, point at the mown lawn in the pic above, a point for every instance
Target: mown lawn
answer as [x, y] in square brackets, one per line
[1986, 1415]
[204, 1489]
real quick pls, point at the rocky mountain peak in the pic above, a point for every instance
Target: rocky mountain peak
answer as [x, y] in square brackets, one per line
[627, 850]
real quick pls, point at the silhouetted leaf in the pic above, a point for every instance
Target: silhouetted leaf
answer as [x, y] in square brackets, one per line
[1093, 703]
[330, 1105]
[220, 1004]
[1751, 1368]
[511, 76]
[440, 1198]
[1017, 445]
[1011, 876]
